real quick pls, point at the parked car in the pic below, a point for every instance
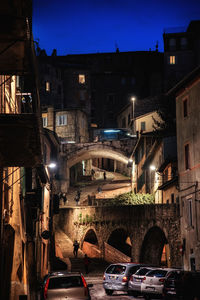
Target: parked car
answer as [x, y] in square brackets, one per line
[62, 285]
[135, 281]
[117, 275]
[153, 282]
[182, 285]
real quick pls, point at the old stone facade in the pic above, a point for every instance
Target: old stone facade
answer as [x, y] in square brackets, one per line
[71, 126]
[181, 52]
[159, 226]
[188, 142]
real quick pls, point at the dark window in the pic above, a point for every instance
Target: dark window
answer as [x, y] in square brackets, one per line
[157, 273]
[116, 269]
[129, 119]
[172, 198]
[185, 108]
[190, 217]
[142, 271]
[65, 282]
[123, 122]
[143, 126]
[187, 160]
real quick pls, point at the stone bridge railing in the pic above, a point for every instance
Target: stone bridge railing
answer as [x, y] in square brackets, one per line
[124, 147]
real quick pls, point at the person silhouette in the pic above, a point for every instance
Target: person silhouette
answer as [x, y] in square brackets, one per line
[76, 247]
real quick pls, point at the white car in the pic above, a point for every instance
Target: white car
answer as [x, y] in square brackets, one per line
[153, 282]
[135, 281]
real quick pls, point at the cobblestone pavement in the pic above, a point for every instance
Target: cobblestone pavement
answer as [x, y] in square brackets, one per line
[114, 185]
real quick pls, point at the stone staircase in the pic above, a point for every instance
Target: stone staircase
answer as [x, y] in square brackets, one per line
[64, 250]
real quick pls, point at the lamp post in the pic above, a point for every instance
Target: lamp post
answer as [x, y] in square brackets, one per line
[133, 107]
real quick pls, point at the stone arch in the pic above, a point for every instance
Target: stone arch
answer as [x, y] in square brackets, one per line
[120, 239]
[90, 244]
[152, 246]
[95, 153]
[91, 237]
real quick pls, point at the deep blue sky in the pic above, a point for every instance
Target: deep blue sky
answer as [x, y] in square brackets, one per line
[90, 26]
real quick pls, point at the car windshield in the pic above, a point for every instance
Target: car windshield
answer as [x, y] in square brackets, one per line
[116, 269]
[142, 271]
[65, 282]
[157, 273]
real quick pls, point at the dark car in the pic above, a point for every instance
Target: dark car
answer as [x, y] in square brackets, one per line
[182, 285]
[62, 285]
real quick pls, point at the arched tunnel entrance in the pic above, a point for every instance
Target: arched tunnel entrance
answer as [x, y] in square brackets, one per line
[91, 237]
[155, 248]
[120, 240]
[90, 244]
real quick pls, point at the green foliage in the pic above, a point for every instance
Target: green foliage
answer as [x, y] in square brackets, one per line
[131, 199]
[80, 218]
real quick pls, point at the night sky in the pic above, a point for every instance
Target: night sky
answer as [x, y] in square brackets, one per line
[91, 26]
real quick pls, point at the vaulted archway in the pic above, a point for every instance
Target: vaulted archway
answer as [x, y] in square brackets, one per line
[120, 240]
[152, 247]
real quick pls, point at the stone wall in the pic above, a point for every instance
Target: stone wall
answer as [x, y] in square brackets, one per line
[135, 221]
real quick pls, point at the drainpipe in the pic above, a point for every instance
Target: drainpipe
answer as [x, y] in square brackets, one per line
[196, 204]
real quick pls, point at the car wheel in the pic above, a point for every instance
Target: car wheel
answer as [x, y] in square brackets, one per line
[109, 292]
[130, 293]
[147, 297]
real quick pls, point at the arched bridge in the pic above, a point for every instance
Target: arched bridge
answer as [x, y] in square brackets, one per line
[75, 153]
[140, 232]
[117, 150]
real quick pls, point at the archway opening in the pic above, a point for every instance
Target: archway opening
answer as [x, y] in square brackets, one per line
[90, 244]
[91, 237]
[120, 240]
[155, 249]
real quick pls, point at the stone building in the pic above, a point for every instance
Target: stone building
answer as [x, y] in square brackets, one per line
[116, 77]
[181, 52]
[188, 145]
[71, 125]
[25, 183]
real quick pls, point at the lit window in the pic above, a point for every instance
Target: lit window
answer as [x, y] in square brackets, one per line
[47, 86]
[44, 121]
[81, 78]
[185, 108]
[187, 157]
[62, 120]
[172, 59]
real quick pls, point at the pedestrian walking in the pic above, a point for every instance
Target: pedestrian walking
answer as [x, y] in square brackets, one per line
[64, 199]
[86, 262]
[77, 198]
[104, 175]
[79, 193]
[99, 189]
[92, 173]
[76, 247]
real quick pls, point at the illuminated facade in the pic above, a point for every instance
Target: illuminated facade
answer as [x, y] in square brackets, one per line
[188, 145]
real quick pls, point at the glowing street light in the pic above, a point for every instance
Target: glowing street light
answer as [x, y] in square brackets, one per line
[152, 168]
[133, 107]
[52, 165]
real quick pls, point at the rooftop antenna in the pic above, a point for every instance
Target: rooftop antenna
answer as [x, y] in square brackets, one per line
[116, 48]
[157, 46]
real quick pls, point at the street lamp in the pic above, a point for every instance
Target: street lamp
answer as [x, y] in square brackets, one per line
[133, 107]
[52, 165]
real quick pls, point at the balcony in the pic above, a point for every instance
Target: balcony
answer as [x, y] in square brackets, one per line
[20, 143]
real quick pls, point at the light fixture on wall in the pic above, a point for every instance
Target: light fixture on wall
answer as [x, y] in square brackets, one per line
[52, 165]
